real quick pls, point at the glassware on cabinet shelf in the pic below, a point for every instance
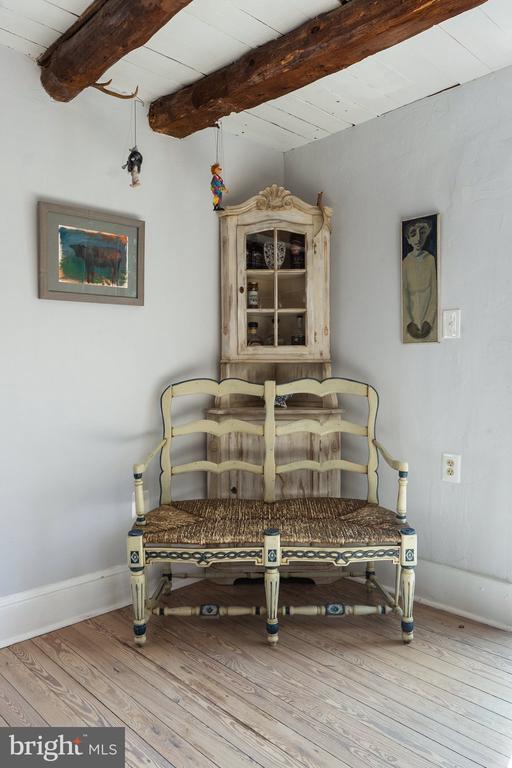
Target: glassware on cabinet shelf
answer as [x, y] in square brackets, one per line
[255, 259]
[292, 331]
[253, 296]
[255, 244]
[295, 244]
[269, 255]
[297, 255]
[261, 253]
[253, 337]
[264, 282]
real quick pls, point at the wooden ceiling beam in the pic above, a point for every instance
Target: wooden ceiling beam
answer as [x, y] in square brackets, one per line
[103, 34]
[326, 44]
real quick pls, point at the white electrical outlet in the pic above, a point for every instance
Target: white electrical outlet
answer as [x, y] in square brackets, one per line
[451, 323]
[451, 467]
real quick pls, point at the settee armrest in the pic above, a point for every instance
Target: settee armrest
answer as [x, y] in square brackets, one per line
[402, 467]
[138, 471]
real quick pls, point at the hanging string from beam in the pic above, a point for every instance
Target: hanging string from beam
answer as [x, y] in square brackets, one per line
[217, 185]
[134, 163]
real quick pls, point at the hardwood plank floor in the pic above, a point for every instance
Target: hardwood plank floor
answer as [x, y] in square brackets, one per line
[335, 693]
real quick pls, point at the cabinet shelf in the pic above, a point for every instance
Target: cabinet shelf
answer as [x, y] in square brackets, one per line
[270, 272]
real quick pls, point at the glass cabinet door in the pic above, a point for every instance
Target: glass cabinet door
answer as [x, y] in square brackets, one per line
[275, 287]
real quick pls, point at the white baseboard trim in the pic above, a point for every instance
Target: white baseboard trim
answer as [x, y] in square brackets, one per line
[471, 595]
[43, 609]
[37, 611]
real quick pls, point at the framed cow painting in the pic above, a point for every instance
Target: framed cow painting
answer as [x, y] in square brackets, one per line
[89, 255]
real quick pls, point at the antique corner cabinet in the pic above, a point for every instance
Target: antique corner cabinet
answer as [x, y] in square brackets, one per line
[275, 316]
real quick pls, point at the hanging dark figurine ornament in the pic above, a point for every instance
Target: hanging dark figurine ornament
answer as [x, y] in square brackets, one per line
[217, 185]
[134, 162]
[133, 166]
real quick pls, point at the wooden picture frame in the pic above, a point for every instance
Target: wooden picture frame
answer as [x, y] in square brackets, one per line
[89, 255]
[420, 273]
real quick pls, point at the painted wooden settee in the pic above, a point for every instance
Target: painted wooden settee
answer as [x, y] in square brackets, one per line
[266, 532]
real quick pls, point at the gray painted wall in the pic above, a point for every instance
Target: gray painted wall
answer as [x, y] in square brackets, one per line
[80, 382]
[450, 153]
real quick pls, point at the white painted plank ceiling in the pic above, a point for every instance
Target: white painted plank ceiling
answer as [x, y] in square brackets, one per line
[207, 34]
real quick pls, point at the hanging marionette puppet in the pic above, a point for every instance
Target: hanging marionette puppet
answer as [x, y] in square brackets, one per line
[134, 162]
[133, 166]
[217, 185]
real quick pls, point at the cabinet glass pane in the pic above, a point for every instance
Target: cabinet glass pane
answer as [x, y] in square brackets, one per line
[291, 289]
[292, 329]
[257, 245]
[260, 290]
[260, 329]
[293, 244]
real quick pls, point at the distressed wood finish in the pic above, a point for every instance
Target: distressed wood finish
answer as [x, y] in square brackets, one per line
[270, 442]
[326, 44]
[297, 445]
[103, 34]
[276, 209]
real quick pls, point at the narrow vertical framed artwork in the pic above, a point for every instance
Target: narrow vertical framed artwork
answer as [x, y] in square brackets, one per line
[420, 279]
[90, 255]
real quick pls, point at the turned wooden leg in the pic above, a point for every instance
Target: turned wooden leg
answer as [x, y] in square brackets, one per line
[370, 572]
[138, 584]
[272, 558]
[408, 560]
[167, 588]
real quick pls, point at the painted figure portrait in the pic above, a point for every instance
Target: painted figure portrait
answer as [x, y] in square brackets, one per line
[420, 279]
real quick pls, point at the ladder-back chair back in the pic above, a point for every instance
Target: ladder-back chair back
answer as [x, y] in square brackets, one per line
[269, 431]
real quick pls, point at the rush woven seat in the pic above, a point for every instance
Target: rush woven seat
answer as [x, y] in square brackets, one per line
[310, 522]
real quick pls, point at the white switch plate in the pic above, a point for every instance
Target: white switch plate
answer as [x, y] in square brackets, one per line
[451, 467]
[451, 323]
